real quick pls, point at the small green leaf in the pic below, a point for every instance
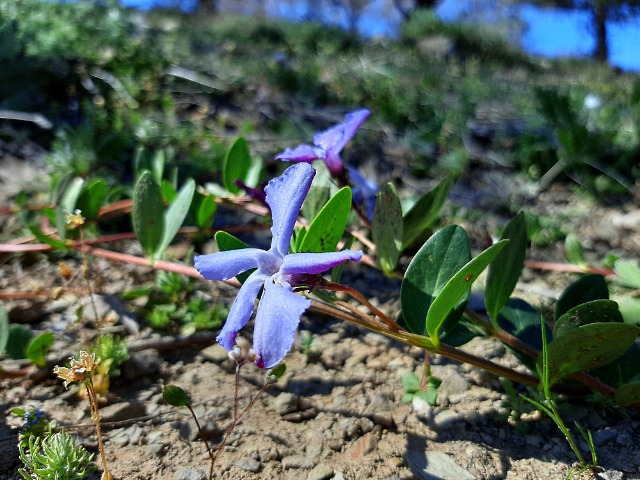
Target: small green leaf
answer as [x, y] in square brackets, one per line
[387, 227]
[583, 290]
[169, 192]
[444, 254]
[205, 211]
[596, 311]
[457, 290]
[504, 272]
[278, 371]
[148, 213]
[71, 194]
[521, 320]
[627, 273]
[327, 228]
[19, 338]
[225, 242]
[573, 249]
[92, 198]
[421, 217]
[175, 396]
[317, 197]
[39, 347]
[4, 329]
[410, 382]
[236, 164]
[588, 347]
[175, 215]
[41, 237]
[628, 394]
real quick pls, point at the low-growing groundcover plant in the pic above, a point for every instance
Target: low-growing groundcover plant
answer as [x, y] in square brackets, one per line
[587, 344]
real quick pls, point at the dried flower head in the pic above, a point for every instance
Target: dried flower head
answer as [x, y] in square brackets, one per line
[78, 369]
[75, 218]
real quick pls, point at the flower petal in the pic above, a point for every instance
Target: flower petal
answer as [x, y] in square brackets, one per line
[301, 153]
[241, 310]
[334, 139]
[228, 264]
[285, 195]
[276, 321]
[364, 191]
[297, 263]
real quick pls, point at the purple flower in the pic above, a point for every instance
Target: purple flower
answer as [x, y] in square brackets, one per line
[328, 144]
[280, 308]
[365, 192]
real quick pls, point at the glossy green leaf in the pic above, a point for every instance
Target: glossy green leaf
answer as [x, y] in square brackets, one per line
[627, 273]
[175, 215]
[622, 370]
[444, 254]
[456, 291]
[71, 194]
[175, 396]
[596, 311]
[573, 249]
[420, 218]
[327, 228]
[148, 213]
[521, 320]
[92, 198]
[39, 347]
[588, 347]
[503, 274]
[169, 192]
[583, 290]
[236, 164]
[225, 242]
[206, 211]
[19, 338]
[154, 161]
[4, 329]
[317, 197]
[628, 394]
[387, 227]
[278, 371]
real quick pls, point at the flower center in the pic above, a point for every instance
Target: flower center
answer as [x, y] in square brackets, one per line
[269, 263]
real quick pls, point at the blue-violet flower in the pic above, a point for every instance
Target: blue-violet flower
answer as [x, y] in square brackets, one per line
[328, 144]
[280, 308]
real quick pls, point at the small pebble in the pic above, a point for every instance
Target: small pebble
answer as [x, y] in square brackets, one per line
[320, 472]
[248, 464]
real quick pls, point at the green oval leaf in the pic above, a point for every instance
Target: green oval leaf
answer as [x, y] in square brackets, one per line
[19, 338]
[387, 227]
[205, 211]
[627, 273]
[39, 347]
[175, 396]
[71, 194]
[420, 218]
[236, 164]
[503, 274]
[444, 254]
[92, 198]
[628, 394]
[456, 291]
[175, 215]
[148, 213]
[583, 290]
[588, 347]
[327, 228]
[596, 311]
[573, 249]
